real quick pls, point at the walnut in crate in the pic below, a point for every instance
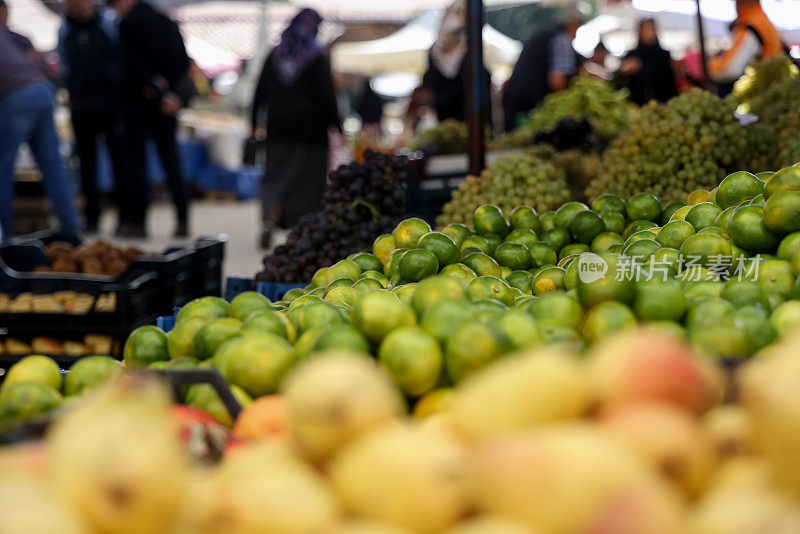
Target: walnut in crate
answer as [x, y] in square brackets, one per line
[57, 250]
[97, 258]
[15, 347]
[98, 344]
[75, 348]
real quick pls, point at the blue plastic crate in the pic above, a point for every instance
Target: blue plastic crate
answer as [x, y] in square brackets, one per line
[275, 291]
[244, 182]
[235, 285]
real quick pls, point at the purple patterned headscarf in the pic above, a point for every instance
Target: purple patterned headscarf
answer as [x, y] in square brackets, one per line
[298, 46]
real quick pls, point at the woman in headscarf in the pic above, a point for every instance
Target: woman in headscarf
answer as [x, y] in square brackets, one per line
[446, 66]
[296, 91]
[647, 69]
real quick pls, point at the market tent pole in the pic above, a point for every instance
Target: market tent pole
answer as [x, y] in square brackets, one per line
[476, 87]
[701, 36]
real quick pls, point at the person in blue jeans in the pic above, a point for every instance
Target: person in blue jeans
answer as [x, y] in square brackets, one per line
[26, 116]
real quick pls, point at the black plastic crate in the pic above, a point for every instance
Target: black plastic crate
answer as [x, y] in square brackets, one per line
[135, 304]
[182, 273]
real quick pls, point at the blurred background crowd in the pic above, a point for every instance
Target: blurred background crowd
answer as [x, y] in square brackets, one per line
[114, 105]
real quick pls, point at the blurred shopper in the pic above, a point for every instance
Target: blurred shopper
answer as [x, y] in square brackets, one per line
[295, 90]
[546, 64]
[157, 87]
[447, 68]
[370, 106]
[88, 49]
[647, 69]
[754, 38]
[26, 116]
[595, 66]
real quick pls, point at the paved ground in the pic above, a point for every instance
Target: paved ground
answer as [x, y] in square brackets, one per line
[239, 221]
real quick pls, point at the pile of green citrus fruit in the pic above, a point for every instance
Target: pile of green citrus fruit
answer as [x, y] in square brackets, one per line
[447, 137]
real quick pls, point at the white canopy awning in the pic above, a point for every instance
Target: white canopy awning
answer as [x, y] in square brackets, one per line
[33, 20]
[406, 50]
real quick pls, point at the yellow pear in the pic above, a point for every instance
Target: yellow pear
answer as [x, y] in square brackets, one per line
[357, 526]
[729, 430]
[521, 391]
[266, 489]
[570, 478]
[404, 475]
[745, 511]
[334, 397]
[116, 459]
[486, 524]
[27, 506]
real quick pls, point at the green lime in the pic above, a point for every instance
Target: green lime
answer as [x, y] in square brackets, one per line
[787, 179]
[341, 337]
[391, 267]
[490, 287]
[721, 338]
[757, 327]
[608, 204]
[379, 312]
[548, 220]
[442, 319]
[659, 301]
[604, 241]
[642, 249]
[319, 279]
[148, 344]
[542, 254]
[88, 374]
[473, 346]
[180, 340]
[743, 293]
[444, 248]
[347, 295]
[272, 322]
[557, 238]
[788, 245]
[413, 359]
[259, 363]
[476, 241]
[786, 317]
[782, 212]
[457, 232]
[605, 318]
[366, 261]
[36, 368]
[23, 400]
[513, 255]
[244, 304]
[669, 210]
[573, 249]
[566, 212]
[342, 269]
[701, 289]
[296, 293]
[460, 271]
[319, 315]
[522, 236]
[637, 226]
[381, 248]
[436, 289]
[643, 207]
[525, 217]
[489, 219]
[213, 334]
[702, 215]
[548, 279]
[378, 276]
[639, 236]
[775, 277]
[706, 250]
[680, 213]
[206, 307]
[408, 232]
[674, 233]
[522, 280]
[613, 222]
[405, 292]
[365, 285]
[417, 264]
[520, 329]
[605, 277]
[724, 217]
[339, 282]
[585, 226]
[494, 240]
[483, 265]
[748, 231]
[738, 187]
[707, 309]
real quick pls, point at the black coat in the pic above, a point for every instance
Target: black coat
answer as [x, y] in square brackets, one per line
[449, 94]
[655, 80]
[95, 70]
[301, 113]
[152, 48]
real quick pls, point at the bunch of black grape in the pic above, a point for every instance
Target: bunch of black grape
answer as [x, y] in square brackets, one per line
[691, 142]
[361, 201]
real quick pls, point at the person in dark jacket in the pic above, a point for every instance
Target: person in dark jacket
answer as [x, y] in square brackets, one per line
[447, 68]
[88, 49]
[156, 88]
[295, 92]
[27, 104]
[647, 69]
[546, 64]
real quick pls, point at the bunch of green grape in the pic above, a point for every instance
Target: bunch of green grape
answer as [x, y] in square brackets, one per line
[691, 142]
[508, 182]
[608, 110]
[447, 137]
[770, 89]
[519, 138]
